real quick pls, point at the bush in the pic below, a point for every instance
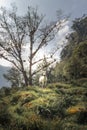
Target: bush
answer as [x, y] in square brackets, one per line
[19, 110]
[82, 117]
[27, 99]
[44, 112]
[5, 119]
[15, 99]
[80, 82]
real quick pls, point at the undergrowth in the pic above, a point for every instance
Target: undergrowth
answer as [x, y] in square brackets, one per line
[56, 107]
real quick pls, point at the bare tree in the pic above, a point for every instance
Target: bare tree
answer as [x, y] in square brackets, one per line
[19, 31]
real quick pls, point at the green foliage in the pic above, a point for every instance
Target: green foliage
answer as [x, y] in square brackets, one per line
[5, 117]
[80, 26]
[82, 117]
[76, 68]
[80, 82]
[78, 35]
[59, 72]
[51, 108]
[73, 65]
[15, 99]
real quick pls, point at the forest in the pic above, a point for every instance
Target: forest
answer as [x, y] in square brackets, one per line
[62, 103]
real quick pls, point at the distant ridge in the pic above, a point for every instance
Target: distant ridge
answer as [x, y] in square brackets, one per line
[3, 81]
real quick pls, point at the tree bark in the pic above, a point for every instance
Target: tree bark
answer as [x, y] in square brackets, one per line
[30, 59]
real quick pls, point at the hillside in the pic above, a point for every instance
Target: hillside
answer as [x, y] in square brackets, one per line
[3, 81]
[56, 107]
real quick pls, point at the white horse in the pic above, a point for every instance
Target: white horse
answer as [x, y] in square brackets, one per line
[43, 80]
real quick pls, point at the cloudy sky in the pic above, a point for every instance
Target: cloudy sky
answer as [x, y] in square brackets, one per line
[49, 7]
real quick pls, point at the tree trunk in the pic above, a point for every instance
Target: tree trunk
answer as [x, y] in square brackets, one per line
[25, 78]
[30, 75]
[30, 60]
[23, 71]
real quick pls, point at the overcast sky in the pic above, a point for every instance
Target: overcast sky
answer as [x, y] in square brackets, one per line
[49, 7]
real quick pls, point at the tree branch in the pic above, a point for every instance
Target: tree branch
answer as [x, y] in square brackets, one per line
[43, 67]
[47, 34]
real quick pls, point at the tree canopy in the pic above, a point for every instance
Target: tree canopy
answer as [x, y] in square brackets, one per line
[73, 63]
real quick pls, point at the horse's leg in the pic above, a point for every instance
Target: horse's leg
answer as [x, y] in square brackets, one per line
[45, 84]
[41, 85]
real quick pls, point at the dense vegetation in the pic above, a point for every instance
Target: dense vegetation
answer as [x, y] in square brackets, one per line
[56, 107]
[73, 65]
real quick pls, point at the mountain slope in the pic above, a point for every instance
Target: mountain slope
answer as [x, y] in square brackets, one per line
[3, 81]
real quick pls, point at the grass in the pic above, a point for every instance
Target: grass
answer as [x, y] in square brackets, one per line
[56, 107]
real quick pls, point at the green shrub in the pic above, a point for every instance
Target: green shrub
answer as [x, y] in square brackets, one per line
[34, 108]
[19, 110]
[44, 112]
[15, 99]
[80, 82]
[5, 118]
[82, 117]
[27, 99]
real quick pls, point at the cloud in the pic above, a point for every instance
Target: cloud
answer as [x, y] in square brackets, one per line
[5, 3]
[64, 31]
[5, 63]
[61, 40]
